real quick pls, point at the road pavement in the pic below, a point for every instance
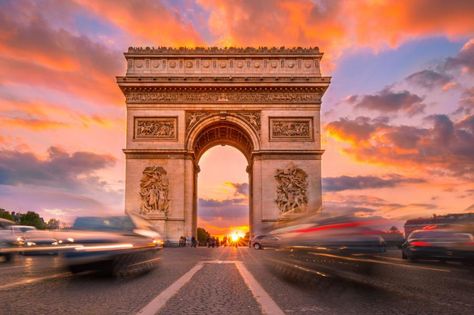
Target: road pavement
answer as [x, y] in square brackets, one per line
[234, 281]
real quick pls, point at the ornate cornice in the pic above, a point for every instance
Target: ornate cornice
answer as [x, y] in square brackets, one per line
[224, 50]
[221, 79]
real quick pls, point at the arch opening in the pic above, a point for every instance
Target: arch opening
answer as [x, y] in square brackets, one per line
[223, 193]
[231, 163]
[223, 134]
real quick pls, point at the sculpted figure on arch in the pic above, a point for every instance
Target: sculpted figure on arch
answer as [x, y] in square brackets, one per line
[292, 185]
[154, 188]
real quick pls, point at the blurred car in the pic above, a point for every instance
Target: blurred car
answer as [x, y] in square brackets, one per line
[8, 240]
[440, 245]
[328, 247]
[116, 245]
[264, 241]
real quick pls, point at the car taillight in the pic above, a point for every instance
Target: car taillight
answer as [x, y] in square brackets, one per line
[419, 244]
[469, 243]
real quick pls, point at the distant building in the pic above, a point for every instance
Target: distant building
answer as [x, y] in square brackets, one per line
[464, 221]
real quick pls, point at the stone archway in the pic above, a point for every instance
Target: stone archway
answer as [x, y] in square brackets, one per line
[180, 102]
[221, 132]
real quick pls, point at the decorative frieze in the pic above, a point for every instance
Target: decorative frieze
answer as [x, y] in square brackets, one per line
[209, 97]
[291, 128]
[253, 118]
[154, 190]
[223, 61]
[291, 190]
[156, 128]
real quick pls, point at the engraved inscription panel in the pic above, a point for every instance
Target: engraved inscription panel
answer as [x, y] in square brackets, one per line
[174, 97]
[291, 128]
[156, 128]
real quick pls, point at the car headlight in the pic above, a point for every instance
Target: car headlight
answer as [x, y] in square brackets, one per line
[30, 243]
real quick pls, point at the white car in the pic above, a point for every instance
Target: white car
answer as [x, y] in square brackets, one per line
[8, 239]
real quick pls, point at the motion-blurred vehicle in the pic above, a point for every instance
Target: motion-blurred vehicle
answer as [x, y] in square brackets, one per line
[32, 241]
[116, 245]
[440, 245]
[328, 247]
[264, 241]
[8, 240]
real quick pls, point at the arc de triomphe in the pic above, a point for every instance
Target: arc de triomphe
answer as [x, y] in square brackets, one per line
[182, 101]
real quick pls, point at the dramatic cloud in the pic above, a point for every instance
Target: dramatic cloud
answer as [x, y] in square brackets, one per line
[389, 101]
[60, 169]
[335, 25]
[366, 182]
[444, 148]
[241, 189]
[393, 22]
[33, 52]
[229, 209]
[149, 20]
[429, 79]
[464, 60]
[466, 103]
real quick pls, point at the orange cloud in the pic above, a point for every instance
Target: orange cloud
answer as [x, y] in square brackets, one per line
[41, 115]
[335, 26]
[150, 20]
[392, 22]
[444, 148]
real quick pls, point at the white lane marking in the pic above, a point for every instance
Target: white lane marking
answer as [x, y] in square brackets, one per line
[34, 280]
[268, 305]
[158, 302]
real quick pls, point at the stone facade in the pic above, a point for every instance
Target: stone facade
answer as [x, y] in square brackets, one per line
[182, 101]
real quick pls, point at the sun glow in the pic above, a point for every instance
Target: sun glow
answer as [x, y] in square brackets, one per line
[236, 236]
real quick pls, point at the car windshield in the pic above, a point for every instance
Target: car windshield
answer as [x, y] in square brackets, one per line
[438, 235]
[24, 229]
[106, 224]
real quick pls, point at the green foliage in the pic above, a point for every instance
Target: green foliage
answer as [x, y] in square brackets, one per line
[30, 218]
[6, 215]
[202, 235]
[33, 219]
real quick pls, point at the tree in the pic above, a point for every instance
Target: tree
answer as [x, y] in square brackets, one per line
[53, 224]
[33, 219]
[202, 235]
[6, 215]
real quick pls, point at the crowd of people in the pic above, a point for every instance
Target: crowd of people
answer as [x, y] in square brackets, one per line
[211, 242]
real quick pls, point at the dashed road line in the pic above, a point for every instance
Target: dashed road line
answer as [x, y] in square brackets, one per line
[267, 304]
[158, 302]
[263, 298]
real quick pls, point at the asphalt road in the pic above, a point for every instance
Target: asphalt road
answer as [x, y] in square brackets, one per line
[234, 281]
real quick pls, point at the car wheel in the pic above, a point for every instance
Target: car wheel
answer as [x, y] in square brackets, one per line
[257, 246]
[404, 256]
[411, 258]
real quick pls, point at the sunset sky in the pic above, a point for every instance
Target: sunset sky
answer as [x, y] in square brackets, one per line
[397, 120]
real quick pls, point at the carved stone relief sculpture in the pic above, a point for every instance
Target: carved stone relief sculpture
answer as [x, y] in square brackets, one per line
[292, 185]
[159, 128]
[291, 128]
[253, 118]
[154, 189]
